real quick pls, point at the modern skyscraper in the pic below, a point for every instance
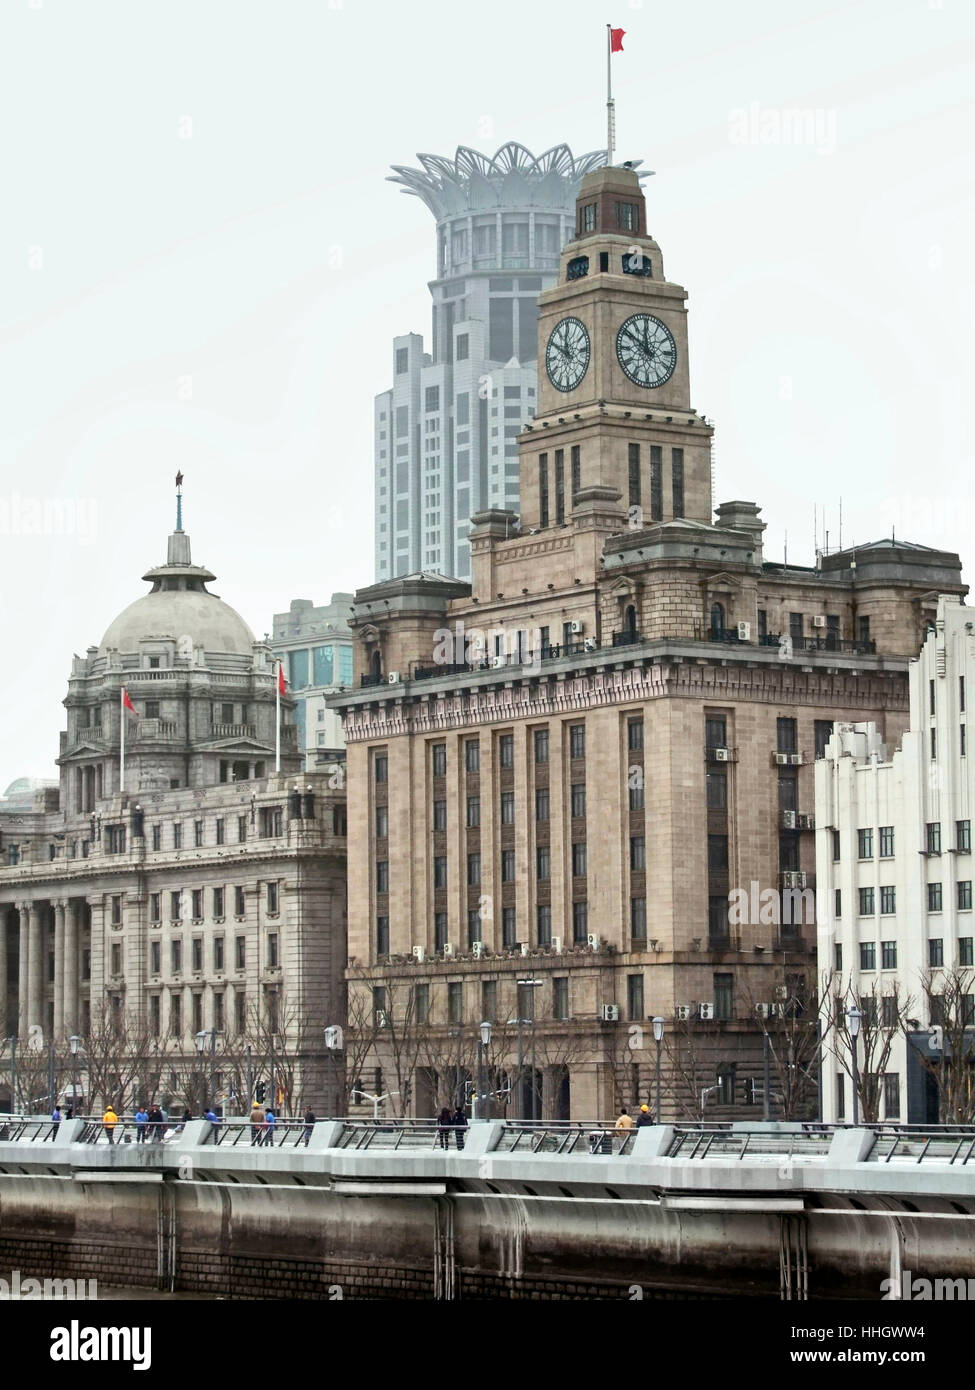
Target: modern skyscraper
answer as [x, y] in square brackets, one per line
[446, 433]
[314, 645]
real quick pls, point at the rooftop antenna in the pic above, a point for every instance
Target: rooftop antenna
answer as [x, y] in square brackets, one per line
[179, 501]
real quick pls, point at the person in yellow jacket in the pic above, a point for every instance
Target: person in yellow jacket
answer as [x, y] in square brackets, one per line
[110, 1120]
[625, 1121]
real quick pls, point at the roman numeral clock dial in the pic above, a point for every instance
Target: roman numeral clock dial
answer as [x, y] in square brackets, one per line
[646, 350]
[567, 354]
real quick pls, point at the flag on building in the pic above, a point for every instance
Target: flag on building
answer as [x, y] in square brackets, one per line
[616, 40]
[127, 703]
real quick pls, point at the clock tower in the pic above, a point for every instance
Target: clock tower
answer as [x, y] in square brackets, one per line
[614, 405]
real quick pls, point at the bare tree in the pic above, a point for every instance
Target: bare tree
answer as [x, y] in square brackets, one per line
[882, 1019]
[790, 1033]
[947, 1057]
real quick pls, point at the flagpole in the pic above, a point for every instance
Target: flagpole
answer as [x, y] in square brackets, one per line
[277, 720]
[121, 710]
[609, 94]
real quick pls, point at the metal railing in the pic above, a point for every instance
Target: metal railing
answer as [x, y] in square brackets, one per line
[400, 1134]
[565, 1137]
[283, 1134]
[26, 1129]
[917, 1143]
[692, 1142]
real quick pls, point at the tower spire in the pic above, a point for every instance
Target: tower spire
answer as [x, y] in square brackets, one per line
[179, 501]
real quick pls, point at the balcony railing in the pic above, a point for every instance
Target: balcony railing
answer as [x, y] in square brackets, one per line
[841, 645]
[233, 730]
[148, 730]
[628, 637]
[723, 634]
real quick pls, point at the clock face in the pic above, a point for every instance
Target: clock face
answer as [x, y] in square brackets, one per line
[567, 354]
[646, 350]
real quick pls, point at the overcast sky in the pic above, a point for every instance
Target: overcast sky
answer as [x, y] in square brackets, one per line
[202, 268]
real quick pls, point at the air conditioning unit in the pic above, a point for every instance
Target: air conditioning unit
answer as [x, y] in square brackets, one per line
[800, 880]
[807, 822]
[744, 632]
[682, 1011]
[762, 1010]
[610, 1013]
[593, 942]
[706, 1009]
[776, 1010]
[393, 678]
[497, 662]
[781, 992]
[789, 820]
[781, 759]
[819, 620]
[419, 954]
[448, 950]
[577, 625]
[720, 755]
[590, 644]
[794, 759]
[477, 949]
[557, 945]
[525, 948]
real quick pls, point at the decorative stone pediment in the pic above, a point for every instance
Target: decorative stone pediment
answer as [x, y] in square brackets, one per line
[722, 582]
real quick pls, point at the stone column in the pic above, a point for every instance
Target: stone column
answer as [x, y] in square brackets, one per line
[35, 968]
[23, 946]
[4, 1021]
[60, 908]
[72, 967]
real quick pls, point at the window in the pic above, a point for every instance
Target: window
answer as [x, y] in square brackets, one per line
[822, 733]
[506, 750]
[439, 930]
[541, 804]
[965, 955]
[717, 791]
[175, 1015]
[221, 828]
[508, 928]
[868, 955]
[718, 923]
[715, 732]
[238, 901]
[543, 861]
[507, 808]
[382, 820]
[786, 735]
[472, 755]
[559, 486]
[439, 760]
[636, 794]
[717, 852]
[218, 953]
[579, 859]
[888, 955]
[218, 900]
[155, 907]
[240, 952]
[634, 735]
[198, 833]
[965, 894]
[886, 842]
[580, 922]
[402, 361]
[473, 812]
[114, 840]
[963, 836]
[931, 697]
[157, 837]
[175, 905]
[838, 956]
[382, 875]
[473, 926]
[867, 906]
[421, 1003]
[560, 997]
[724, 996]
[455, 1001]
[439, 815]
[656, 483]
[272, 950]
[840, 1096]
[197, 904]
[577, 740]
[272, 821]
[634, 472]
[638, 852]
[634, 996]
[892, 1095]
[177, 836]
[933, 837]
[962, 748]
[440, 871]
[961, 693]
[489, 1000]
[936, 951]
[116, 910]
[541, 745]
[382, 935]
[272, 897]
[381, 767]
[578, 800]
[836, 846]
[677, 478]
[241, 829]
[638, 919]
[864, 844]
[934, 744]
[837, 902]
[116, 957]
[889, 1013]
[196, 953]
[543, 517]
[507, 866]
[473, 869]
[887, 898]
[175, 957]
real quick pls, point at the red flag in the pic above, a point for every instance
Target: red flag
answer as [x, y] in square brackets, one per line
[126, 702]
[280, 679]
[616, 40]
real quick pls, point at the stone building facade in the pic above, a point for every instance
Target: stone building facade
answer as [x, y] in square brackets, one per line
[559, 774]
[208, 891]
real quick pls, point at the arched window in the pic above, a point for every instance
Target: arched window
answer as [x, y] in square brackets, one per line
[629, 620]
[376, 663]
[717, 617]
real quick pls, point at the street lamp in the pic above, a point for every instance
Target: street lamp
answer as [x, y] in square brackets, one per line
[74, 1042]
[333, 1043]
[201, 1042]
[853, 1018]
[13, 1072]
[531, 985]
[658, 1037]
[483, 1043]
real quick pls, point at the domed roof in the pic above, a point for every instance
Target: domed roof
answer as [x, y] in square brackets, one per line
[179, 606]
[211, 623]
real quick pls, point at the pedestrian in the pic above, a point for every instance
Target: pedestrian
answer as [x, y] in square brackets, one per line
[624, 1124]
[257, 1123]
[211, 1115]
[644, 1117]
[270, 1120]
[110, 1120]
[156, 1123]
[55, 1122]
[459, 1122]
[309, 1124]
[141, 1121]
[443, 1128]
[185, 1120]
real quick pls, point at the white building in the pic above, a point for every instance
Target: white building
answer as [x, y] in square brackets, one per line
[446, 433]
[894, 872]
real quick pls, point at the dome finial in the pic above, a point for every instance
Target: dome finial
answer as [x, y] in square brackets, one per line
[179, 501]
